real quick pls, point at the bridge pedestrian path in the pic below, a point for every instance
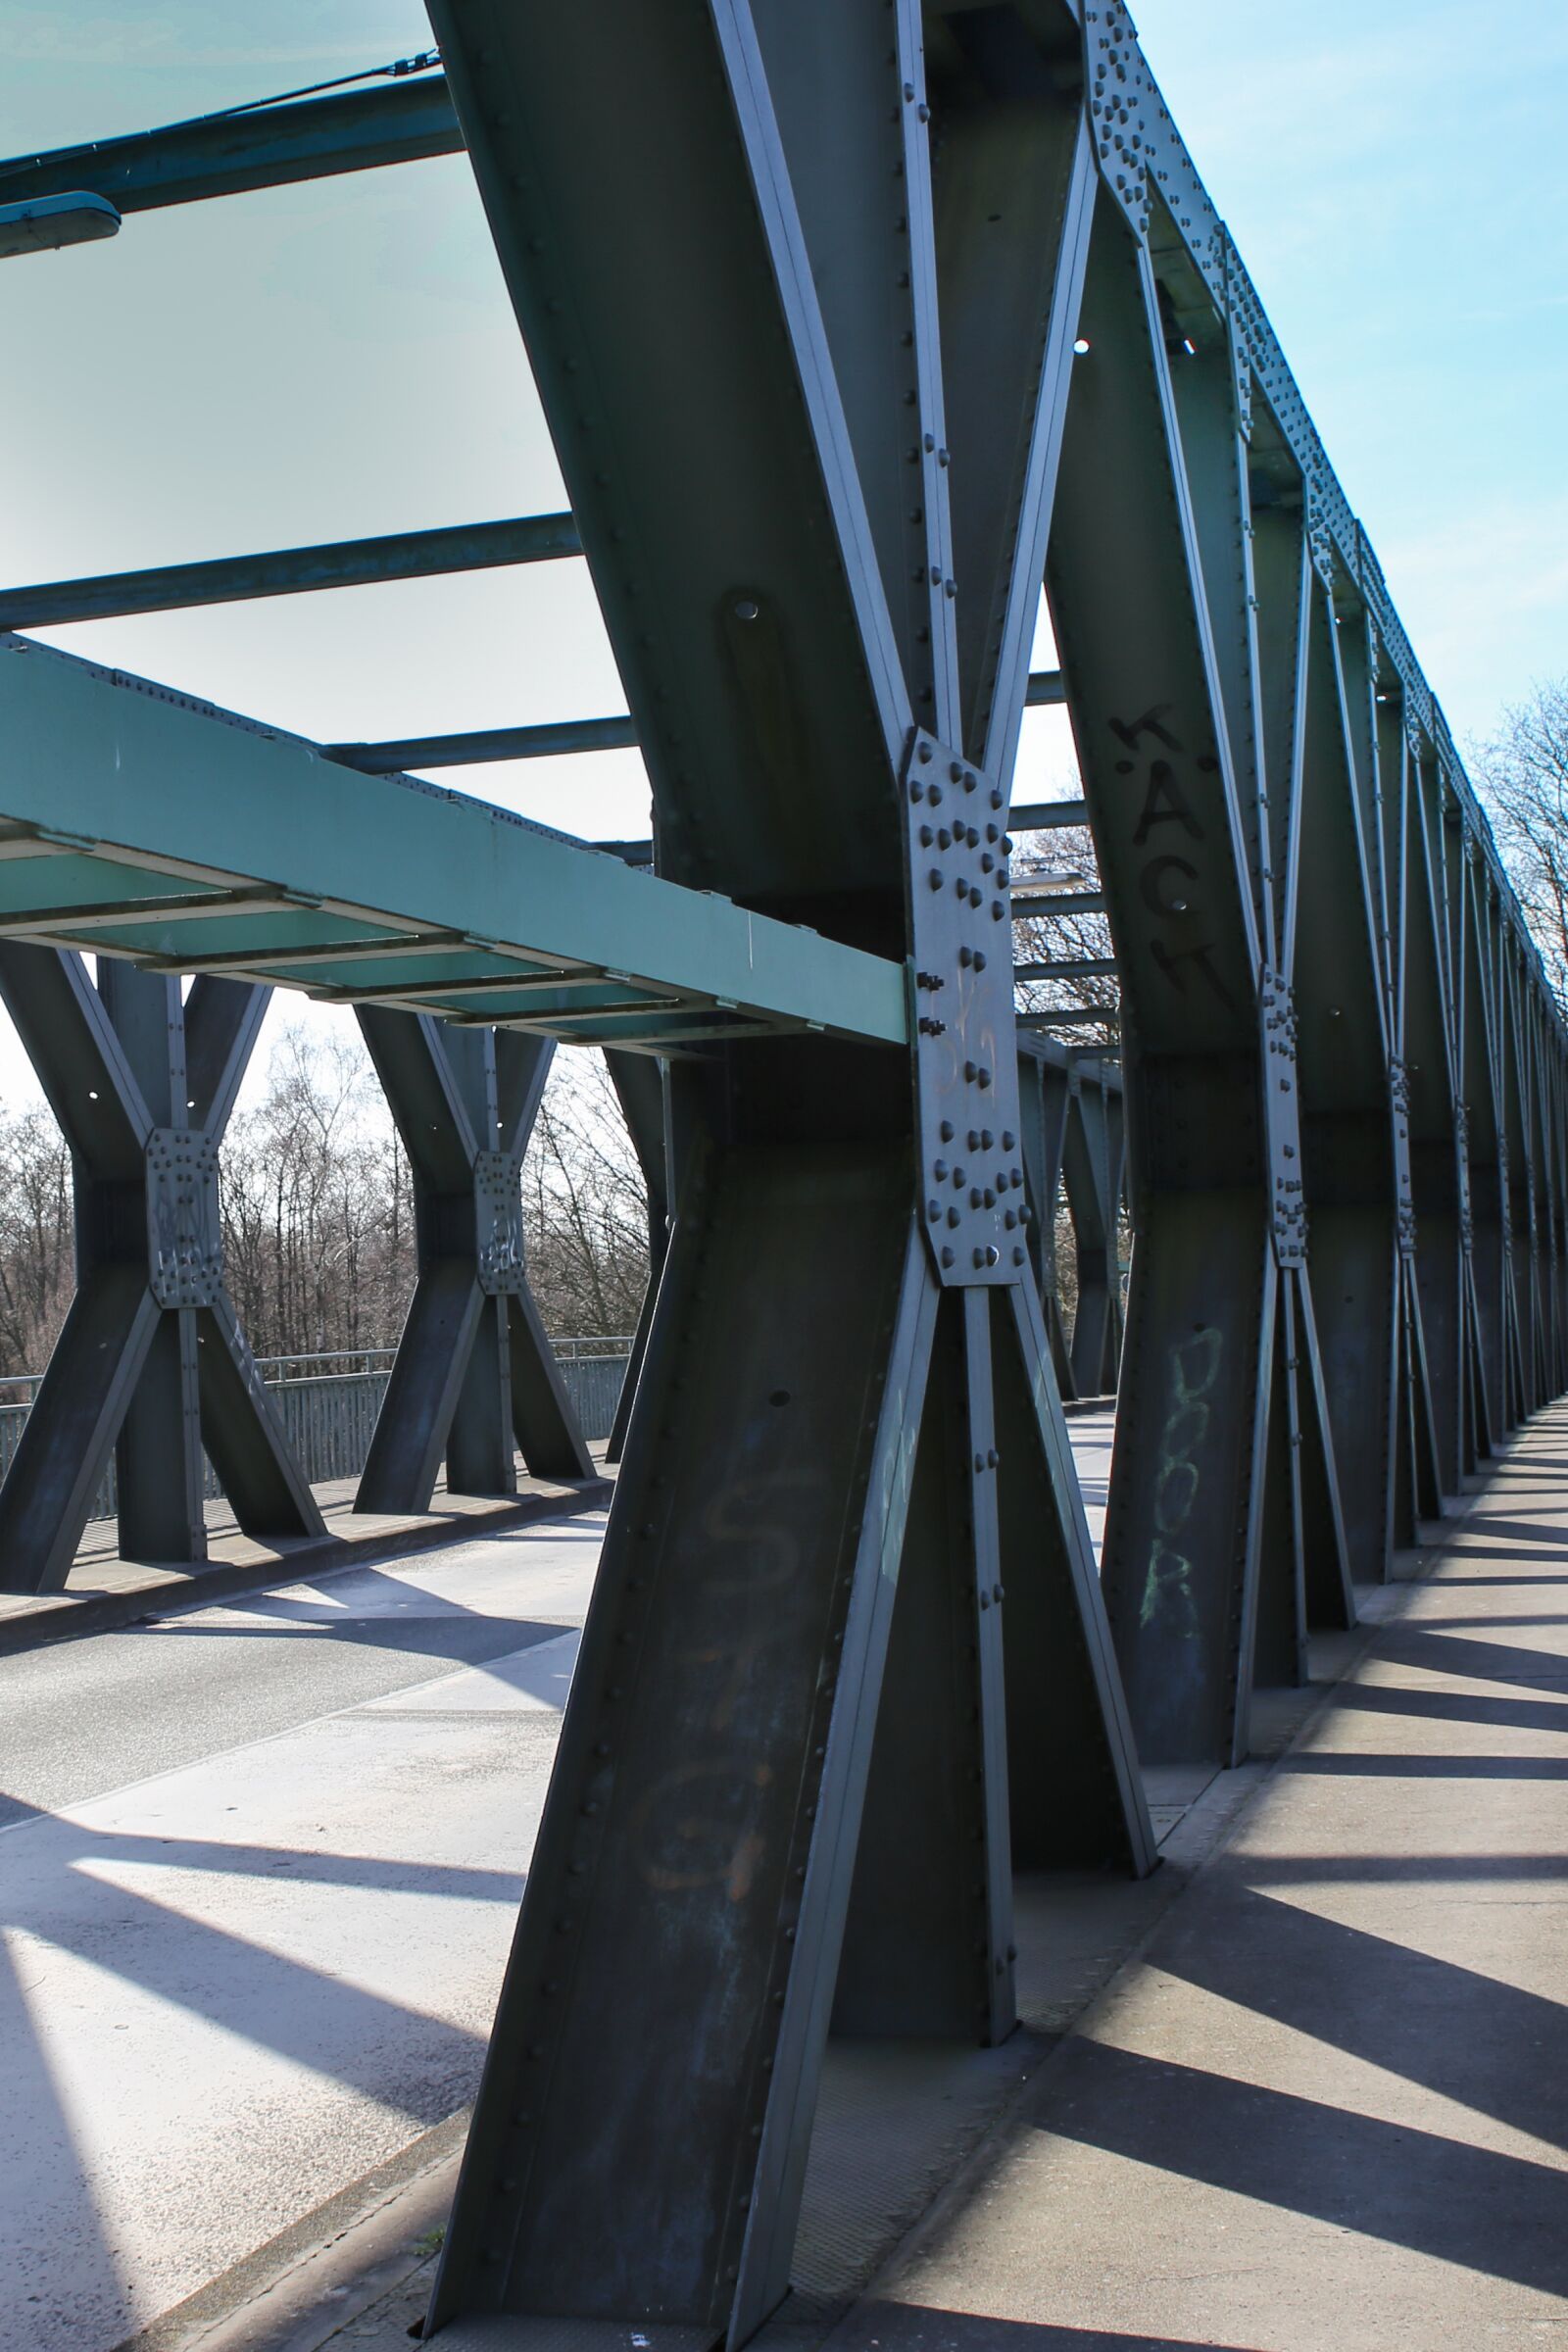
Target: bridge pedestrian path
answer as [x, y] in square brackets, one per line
[1326, 2107]
[1306, 2089]
[1303, 2088]
[105, 1591]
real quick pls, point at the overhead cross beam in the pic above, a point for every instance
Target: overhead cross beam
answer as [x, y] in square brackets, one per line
[291, 571]
[261, 147]
[111, 829]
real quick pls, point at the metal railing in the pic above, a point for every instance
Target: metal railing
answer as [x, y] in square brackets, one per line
[327, 1403]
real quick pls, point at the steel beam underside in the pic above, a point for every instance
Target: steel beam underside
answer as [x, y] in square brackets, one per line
[244, 844]
[267, 146]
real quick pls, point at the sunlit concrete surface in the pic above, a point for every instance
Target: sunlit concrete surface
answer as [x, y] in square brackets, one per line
[1328, 2111]
[1092, 1432]
[259, 1865]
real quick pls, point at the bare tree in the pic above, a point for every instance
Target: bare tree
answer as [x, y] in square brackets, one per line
[317, 1221]
[317, 1211]
[1522, 775]
[37, 1266]
[585, 1212]
[1046, 937]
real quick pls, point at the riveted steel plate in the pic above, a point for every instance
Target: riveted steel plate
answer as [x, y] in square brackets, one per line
[498, 1224]
[965, 1054]
[184, 1249]
[1282, 1117]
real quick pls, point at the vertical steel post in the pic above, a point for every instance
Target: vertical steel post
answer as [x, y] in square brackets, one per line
[846, 1313]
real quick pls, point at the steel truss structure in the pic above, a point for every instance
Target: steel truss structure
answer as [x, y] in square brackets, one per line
[852, 326]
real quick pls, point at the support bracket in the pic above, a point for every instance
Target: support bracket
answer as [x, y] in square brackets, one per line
[184, 1249]
[498, 1225]
[966, 1066]
[1283, 1118]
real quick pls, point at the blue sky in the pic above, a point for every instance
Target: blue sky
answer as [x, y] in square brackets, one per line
[317, 362]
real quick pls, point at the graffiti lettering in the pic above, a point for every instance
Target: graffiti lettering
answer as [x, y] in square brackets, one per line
[1128, 730]
[1150, 884]
[1166, 962]
[706, 1824]
[1164, 805]
[1167, 1588]
[776, 1554]
[701, 1848]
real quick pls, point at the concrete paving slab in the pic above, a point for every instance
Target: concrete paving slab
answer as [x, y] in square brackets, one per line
[1327, 2110]
[104, 1590]
[1320, 2105]
[254, 1918]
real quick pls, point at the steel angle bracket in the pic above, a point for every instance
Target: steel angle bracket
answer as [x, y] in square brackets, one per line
[962, 1037]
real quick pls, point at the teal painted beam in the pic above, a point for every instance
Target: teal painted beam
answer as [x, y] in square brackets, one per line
[545, 741]
[292, 571]
[1046, 817]
[1080, 967]
[110, 766]
[1031, 906]
[264, 147]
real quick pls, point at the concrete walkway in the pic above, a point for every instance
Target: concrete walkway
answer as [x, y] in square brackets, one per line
[104, 1592]
[1317, 2096]
[1320, 2103]
[1326, 2110]
[259, 1867]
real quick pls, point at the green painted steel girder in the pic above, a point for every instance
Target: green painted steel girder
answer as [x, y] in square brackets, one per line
[291, 571]
[265, 147]
[1033, 908]
[112, 790]
[547, 741]
[1046, 816]
[1065, 1014]
[1081, 967]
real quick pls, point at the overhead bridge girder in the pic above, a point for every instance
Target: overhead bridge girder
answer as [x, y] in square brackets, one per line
[372, 889]
[257, 147]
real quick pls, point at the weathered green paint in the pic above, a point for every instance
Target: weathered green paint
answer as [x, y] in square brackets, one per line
[123, 771]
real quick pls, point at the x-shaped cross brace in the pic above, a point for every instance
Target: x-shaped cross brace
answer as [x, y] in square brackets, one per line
[151, 1363]
[475, 1375]
[799, 1760]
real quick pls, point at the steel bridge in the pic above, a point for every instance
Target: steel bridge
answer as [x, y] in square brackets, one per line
[852, 326]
